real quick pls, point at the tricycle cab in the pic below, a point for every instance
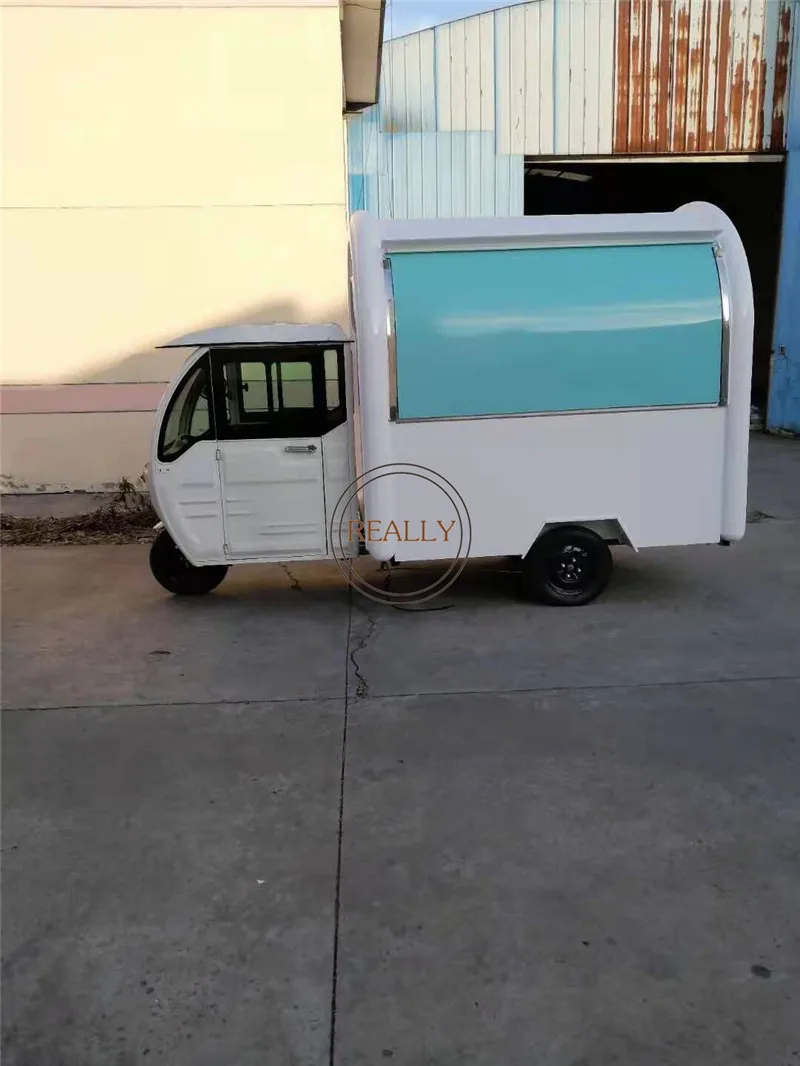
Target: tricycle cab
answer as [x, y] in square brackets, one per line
[253, 443]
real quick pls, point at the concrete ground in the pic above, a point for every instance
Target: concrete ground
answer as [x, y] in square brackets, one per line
[283, 825]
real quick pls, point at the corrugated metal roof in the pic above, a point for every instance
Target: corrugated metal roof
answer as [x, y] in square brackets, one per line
[462, 104]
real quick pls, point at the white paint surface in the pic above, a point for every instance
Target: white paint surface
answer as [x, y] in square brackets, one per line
[186, 497]
[338, 462]
[660, 474]
[273, 498]
[669, 477]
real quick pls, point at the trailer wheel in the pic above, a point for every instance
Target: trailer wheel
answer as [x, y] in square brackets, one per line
[173, 571]
[567, 566]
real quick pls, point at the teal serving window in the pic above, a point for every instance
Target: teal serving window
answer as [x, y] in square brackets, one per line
[556, 329]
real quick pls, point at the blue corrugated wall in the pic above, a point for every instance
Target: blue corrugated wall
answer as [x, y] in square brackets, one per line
[783, 411]
[454, 174]
[431, 147]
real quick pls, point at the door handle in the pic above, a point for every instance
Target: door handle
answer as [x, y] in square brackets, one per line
[300, 449]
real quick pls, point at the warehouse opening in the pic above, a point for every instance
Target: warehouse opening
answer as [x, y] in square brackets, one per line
[749, 191]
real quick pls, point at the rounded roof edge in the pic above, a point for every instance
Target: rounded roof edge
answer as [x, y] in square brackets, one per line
[262, 334]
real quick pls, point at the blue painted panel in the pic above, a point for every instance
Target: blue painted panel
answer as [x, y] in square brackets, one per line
[558, 329]
[783, 409]
[357, 192]
[432, 175]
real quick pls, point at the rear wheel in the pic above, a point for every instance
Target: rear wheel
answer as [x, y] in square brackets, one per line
[568, 566]
[173, 571]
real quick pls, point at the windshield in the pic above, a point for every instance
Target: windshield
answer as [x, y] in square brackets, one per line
[188, 419]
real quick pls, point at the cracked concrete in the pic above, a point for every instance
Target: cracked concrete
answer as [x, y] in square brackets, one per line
[295, 583]
[362, 629]
[534, 836]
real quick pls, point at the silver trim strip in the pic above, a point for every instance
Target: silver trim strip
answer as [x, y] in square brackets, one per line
[725, 299]
[540, 242]
[582, 411]
[391, 337]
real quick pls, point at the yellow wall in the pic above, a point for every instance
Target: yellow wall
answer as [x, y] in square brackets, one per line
[164, 169]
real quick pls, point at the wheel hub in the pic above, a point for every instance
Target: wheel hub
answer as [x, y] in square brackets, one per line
[571, 566]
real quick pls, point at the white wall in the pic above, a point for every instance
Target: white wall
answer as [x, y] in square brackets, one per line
[164, 169]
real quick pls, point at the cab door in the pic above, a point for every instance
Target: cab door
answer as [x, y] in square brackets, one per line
[184, 472]
[272, 416]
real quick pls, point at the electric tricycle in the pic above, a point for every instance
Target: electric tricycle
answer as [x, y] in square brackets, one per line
[580, 382]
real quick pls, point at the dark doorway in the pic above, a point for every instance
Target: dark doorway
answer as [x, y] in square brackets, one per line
[750, 193]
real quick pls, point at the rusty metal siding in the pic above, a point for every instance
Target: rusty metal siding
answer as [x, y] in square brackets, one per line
[594, 77]
[780, 92]
[701, 75]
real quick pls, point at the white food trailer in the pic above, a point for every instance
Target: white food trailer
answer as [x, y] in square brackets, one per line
[581, 380]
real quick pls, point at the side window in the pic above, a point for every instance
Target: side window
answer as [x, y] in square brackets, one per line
[294, 385]
[267, 388]
[254, 388]
[334, 379]
[188, 418]
[280, 393]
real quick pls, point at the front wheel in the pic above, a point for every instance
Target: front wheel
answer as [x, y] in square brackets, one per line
[173, 571]
[568, 566]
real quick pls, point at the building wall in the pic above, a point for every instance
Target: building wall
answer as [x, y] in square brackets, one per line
[462, 104]
[165, 168]
[783, 412]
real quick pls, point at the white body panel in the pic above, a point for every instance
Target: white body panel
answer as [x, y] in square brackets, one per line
[186, 497]
[667, 476]
[518, 474]
[273, 498]
[338, 463]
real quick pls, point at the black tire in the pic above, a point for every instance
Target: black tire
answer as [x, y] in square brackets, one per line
[173, 571]
[568, 566]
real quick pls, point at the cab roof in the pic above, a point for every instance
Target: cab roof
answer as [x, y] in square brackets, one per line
[268, 333]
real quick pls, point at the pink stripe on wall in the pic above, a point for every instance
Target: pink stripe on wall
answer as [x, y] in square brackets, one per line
[80, 399]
